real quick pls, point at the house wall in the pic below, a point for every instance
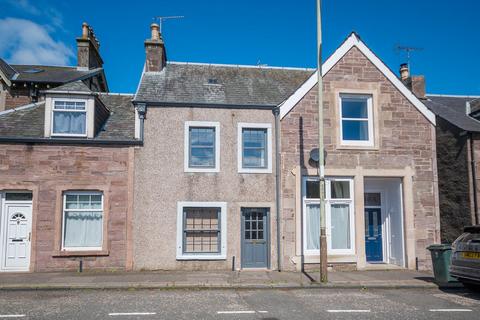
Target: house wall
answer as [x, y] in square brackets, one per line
[404, 147]
[160, 182]
[21, 97]
[47, 171]
[476, 148]
[453, 180]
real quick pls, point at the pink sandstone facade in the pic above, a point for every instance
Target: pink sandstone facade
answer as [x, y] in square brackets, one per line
[404, 148]
[49, 170]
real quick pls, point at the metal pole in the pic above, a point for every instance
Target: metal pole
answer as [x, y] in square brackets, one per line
[321, 161]
[276, 113]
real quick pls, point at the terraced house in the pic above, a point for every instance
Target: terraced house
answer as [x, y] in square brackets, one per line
[225, 178]
[213, 166]
[66, 175]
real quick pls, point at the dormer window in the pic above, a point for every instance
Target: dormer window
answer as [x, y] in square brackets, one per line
[69, 117]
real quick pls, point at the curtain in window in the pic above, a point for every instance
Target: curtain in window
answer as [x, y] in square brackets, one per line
[340, 226]
[69, 122]
[83, 229]
[340, 189]
[313, 226]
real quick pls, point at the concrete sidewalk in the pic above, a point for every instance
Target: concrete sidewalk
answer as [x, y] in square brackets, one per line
[215, 280]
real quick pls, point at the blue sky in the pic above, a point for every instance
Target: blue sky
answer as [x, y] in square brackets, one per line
[273, 32]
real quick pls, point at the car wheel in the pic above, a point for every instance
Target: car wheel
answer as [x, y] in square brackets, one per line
[471, 286]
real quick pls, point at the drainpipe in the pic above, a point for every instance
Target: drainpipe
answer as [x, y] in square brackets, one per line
[276, 113]
[142, 110]
[474, 178]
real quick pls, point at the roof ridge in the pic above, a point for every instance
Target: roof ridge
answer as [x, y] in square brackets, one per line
[452, 95]
[115, 94]
[240, 66]
[27, 106]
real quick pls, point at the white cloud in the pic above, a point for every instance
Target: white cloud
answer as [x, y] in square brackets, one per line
[26, 42]
[39, 9]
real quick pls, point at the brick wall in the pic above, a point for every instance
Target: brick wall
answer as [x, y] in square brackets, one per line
[405, 139]
[17, 101]
[46, 168]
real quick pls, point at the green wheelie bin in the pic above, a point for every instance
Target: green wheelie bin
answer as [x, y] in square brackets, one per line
[441, 254]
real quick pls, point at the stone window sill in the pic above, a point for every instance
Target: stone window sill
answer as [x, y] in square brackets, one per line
[96, 253]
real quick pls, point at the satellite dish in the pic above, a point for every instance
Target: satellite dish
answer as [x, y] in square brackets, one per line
[314, 155]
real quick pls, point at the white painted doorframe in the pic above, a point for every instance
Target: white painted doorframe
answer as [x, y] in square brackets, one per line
[4, 232]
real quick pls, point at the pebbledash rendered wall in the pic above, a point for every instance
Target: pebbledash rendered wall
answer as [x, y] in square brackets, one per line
[49, 170]
[405, 143]
[160, 183]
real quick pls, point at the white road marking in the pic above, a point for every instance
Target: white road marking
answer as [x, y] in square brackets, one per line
[450, 310]
[12, 315]
[114, 314]
[348, 311]
[262, 311]
[236, 312]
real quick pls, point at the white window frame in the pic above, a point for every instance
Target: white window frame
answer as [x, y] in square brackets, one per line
[85, 101]
[361, 143]
[328, 203]
[244, 125]
[222, 255]
[186, 153]
[99, 248]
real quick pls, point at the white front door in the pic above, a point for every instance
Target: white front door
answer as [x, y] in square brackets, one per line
[16, 230]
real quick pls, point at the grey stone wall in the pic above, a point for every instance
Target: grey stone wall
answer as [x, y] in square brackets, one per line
[453, 180]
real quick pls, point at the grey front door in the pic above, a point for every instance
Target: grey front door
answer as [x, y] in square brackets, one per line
[255, 238]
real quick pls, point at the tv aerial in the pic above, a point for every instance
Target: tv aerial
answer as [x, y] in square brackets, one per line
[160, 20]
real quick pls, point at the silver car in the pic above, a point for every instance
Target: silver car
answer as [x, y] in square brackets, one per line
[465, 264]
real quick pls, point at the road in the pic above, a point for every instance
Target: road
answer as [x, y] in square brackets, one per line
[240, 304]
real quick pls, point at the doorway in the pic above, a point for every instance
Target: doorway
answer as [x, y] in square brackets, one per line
[15, 231]
[384, 230]
[255, 238]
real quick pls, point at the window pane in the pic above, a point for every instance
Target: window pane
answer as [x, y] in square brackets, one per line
[83, 201]
[202, 147]
[354, 107]
[372, 199]
[340, 226]
[355, 130]
[313, 226]
[201, 227]
[202, 157]
[18, 196]
[313, 189]
[254, 147]
[254, 158]
[69, 105]
[83, 229]
[69, 122]
[340, 189]
[254, 138]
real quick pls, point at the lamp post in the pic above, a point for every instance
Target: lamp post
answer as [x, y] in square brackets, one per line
[321, 154]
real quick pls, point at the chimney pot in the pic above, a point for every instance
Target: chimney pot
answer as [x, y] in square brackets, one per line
[85, 30]
[404, 72]
[155, 28]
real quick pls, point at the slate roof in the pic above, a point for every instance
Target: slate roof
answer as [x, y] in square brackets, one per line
[210, 84]
[7, 70]
[46, 74]
[76, 86]
[453, 109]
[28, 121]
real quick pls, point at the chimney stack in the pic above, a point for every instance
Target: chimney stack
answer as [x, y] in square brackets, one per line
[88, 49]
[415, 83]
[156, 56]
